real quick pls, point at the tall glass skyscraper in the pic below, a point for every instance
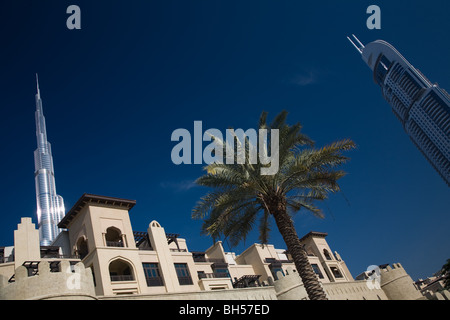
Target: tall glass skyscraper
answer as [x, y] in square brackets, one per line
[422, 107]
[50, 206]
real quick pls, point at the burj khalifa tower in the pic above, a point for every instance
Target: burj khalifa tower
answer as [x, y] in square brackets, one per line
[50, 206]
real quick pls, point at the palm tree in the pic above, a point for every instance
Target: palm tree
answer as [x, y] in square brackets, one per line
[241, 196]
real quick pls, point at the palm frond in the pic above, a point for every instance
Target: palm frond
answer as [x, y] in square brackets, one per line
[316, 160]
[280, 120]
[297, 204]
[263, 120]
[264, 227]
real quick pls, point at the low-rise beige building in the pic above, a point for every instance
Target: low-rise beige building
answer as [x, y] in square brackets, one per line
[110, 259]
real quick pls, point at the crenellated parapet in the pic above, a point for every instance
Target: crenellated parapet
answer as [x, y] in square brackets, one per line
[290, 286]
[397, 284]
[441, 295]
[73, 282]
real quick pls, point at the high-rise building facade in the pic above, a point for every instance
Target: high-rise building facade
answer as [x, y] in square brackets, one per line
[50, 206]
[423, 108]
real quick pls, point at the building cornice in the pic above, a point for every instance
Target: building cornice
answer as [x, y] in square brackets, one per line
[96, 200]
[314, 234]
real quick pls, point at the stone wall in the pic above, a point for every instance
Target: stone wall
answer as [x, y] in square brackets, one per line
[353, 290]
[76, 283]
[441, 295]
[258, 293]
[65, 284]
[290, 287]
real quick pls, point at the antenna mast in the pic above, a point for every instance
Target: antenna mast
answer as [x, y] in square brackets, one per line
[360, 47]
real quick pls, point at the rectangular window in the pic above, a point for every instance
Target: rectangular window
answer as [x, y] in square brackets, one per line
[382, 69]
[317, 270]
[152, 275]
[221, 273]
[184, 277]
[337, 274]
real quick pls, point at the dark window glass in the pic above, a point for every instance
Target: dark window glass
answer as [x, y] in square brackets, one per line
[152, 275]
[184, 277]
[336, 272]
[317, 270]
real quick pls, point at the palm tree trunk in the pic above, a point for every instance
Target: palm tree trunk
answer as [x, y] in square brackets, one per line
[290, 237]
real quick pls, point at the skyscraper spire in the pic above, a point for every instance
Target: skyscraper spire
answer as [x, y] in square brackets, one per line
[360, 47]
[50, 206]
[37, 86]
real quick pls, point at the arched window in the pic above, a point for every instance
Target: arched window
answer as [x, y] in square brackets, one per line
[82, 247]
[155, 224]
[120, 270]
[327, 254]
[113, 237]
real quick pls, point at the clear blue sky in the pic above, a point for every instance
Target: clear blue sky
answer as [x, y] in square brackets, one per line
[114, 91]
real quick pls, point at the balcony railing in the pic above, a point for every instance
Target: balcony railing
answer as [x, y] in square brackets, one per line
[199, 258]
[213, 275]
[204, 259]
[214, 260]
[59, 256]
[146, 247]
[114, 244]
[122, 277]
[6, 259]
[273, 260]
